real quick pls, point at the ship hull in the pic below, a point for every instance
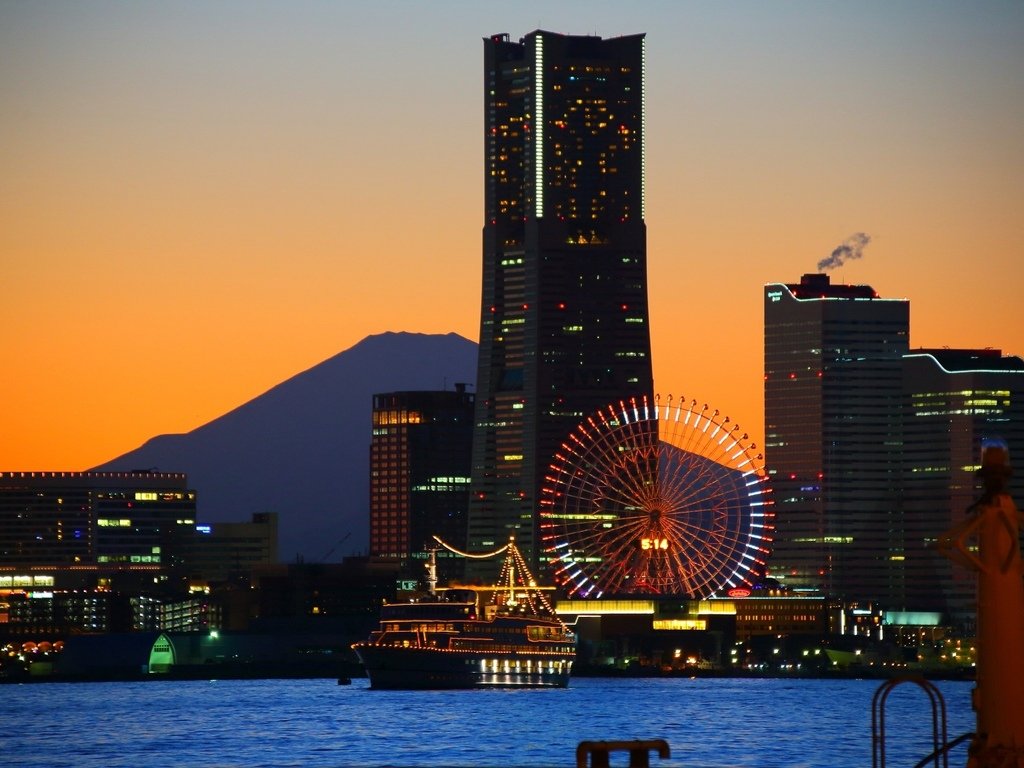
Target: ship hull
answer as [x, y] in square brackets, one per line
[401, 668]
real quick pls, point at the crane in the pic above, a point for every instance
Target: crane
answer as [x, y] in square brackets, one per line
[337, 544]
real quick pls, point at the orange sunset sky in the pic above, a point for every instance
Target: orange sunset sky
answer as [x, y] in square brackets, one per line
[199, 200]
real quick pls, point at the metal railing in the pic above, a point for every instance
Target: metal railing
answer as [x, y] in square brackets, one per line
[939, 755]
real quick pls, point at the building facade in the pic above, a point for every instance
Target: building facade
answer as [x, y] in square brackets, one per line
[223, 552]
[110, 521]
[419, 476]
[46, 614]
[954, 399]
[833, 367]
[564, 324]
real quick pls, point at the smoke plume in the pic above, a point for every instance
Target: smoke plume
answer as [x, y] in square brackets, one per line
[850, 249]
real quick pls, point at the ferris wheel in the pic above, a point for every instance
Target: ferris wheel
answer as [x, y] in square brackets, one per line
[662, 498]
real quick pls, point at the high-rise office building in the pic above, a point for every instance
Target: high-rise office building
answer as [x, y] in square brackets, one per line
[833, 362]
[109, 520]
[954, 399]
[564, 324]
[419, 476]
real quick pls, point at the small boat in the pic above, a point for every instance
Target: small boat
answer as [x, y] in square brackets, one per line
[506, 635]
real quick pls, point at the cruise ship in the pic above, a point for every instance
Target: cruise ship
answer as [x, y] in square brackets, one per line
[506, 635]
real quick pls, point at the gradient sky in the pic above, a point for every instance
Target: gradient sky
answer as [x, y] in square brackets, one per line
[199, 200]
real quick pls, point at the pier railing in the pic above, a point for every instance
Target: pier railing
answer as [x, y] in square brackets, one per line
[940, 749]
[639, 752]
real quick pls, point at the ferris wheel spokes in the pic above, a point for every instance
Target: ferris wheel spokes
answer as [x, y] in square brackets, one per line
[662, 497]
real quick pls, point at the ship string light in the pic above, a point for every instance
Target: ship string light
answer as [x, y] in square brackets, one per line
[515, 581]
[656, 498]
[477, 556]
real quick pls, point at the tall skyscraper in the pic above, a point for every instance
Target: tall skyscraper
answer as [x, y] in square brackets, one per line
[833, 357]
[564, 324]
[419, 476]
[954, 399]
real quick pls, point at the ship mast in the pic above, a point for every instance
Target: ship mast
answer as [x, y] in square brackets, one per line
[515, 578]
[431, 566]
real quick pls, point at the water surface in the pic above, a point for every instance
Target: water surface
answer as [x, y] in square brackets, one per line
[708, 723]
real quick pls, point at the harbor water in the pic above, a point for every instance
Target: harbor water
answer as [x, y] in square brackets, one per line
[708, 723]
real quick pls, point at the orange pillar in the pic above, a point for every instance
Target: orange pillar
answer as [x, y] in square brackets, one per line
[993, 524]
